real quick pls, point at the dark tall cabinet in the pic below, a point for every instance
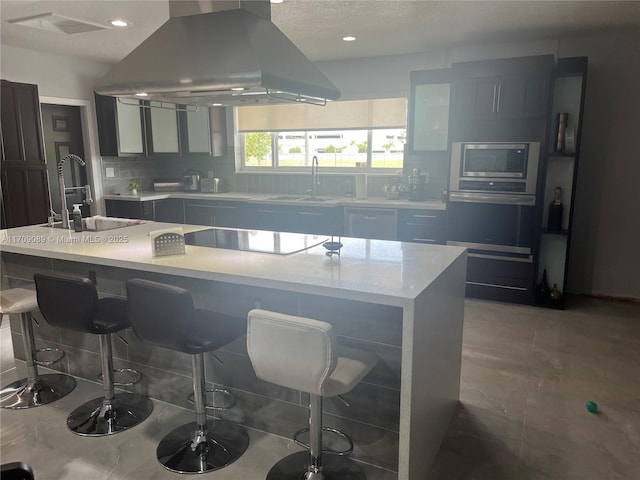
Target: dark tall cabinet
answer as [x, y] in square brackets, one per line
[25, 187]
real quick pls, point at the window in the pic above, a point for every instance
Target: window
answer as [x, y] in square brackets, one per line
[365, 134]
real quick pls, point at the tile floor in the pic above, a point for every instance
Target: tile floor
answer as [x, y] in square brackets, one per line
[526, 375]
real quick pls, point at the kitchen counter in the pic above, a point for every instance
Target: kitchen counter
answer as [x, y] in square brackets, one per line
[379, 202]
[403, 301]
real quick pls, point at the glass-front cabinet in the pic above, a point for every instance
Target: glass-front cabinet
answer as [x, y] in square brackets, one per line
[164, 128]
[198, 131]
[429, 110]
[129, 123]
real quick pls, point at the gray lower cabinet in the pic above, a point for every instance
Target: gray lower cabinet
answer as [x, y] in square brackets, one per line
[298, 219]
[217, 213]
[422, 226]
[166, 210]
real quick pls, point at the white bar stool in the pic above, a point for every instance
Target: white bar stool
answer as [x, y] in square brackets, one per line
[303, 354]
[35, 389]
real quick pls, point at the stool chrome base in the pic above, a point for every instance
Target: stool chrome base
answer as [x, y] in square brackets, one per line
[97, 417]
[29, 393]
[334, 467]
[226, 442]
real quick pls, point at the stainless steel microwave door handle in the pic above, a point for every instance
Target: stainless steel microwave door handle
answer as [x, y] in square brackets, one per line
[493, 105]
[498, 102]
[497, 198]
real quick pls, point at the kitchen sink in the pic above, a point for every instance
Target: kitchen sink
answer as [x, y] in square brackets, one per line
[285, 197]
[295, 198]
[99, 223]
[311, 199]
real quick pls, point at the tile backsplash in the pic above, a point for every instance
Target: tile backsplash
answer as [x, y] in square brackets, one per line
[145, 169]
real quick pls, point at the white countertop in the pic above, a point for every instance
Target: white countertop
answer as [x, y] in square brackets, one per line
[390, 273]
[378, 202]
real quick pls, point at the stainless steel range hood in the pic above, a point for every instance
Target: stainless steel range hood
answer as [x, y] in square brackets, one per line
[230, 57]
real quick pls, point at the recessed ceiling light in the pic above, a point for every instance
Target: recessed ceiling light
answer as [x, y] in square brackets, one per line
[216, 104]
[349, 38]
[142, 94]
[277, 1]
[119, 23]
[237, 89]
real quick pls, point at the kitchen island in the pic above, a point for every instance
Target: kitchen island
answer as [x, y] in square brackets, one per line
[403, 301]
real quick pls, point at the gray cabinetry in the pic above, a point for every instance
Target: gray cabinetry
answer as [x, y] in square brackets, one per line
[216, 213]
[374, 223]
[421, 226]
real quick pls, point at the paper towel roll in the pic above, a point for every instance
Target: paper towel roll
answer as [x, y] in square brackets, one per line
[361, 186]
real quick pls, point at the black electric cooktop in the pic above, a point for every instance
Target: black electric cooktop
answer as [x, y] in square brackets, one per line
[281, 243]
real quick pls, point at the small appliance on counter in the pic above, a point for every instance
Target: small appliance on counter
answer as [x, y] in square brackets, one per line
[212, 185]
[168, 185]
[417, 186]
[191, 180]
[191, 183]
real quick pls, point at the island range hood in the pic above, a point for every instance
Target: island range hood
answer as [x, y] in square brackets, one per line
[230, 57]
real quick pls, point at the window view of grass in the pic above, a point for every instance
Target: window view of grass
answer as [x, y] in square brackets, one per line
[378, 148]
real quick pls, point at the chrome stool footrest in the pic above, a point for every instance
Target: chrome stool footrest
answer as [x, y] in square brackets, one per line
[335, 431]
[215, 408]
[56, 353]
[128, 377]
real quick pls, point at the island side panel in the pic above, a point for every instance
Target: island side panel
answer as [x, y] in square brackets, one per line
[431, 368]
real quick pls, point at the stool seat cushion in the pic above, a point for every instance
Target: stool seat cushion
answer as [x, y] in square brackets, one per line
[110, 317]
[352, 366]
[72, 303]
[18, 300]
[209, 331]
[164, 315]
[303, 354]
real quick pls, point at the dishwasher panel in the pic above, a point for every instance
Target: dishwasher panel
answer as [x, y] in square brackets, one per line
[374, 223]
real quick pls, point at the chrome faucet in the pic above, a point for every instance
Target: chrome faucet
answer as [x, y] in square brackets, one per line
[64, 213]
[315, 178]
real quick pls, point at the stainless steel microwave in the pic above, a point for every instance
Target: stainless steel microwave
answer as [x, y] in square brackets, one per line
[494, 167]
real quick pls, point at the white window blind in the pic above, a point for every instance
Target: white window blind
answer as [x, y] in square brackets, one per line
[360, 114]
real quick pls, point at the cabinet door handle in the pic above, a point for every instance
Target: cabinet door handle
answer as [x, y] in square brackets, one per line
[498, 102]
[429, 240]
[493, 105]
[267, 211]
[310, 213]
[424, 216]
[494, 285]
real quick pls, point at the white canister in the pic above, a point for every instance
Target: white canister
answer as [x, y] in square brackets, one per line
[361, 186]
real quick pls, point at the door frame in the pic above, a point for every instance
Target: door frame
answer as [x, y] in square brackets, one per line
[90, 141]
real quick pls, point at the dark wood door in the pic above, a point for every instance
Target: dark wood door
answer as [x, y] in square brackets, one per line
[63, 135]
[25, 189]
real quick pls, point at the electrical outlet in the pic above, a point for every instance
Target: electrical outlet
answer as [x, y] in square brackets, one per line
[111, 172]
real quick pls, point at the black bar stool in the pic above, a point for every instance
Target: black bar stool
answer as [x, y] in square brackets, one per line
[303, 354]
[35, 389]
[72, 303]
[165, 316]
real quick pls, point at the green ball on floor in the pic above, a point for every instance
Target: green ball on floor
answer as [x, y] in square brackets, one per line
[592, 407]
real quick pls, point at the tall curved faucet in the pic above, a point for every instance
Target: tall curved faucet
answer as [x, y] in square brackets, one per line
[315, 178]
[64, 213]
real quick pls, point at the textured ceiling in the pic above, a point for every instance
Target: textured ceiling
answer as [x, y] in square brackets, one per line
[382, 27]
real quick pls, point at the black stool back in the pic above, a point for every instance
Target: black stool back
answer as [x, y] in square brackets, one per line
[159, 313]
[67, 302]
